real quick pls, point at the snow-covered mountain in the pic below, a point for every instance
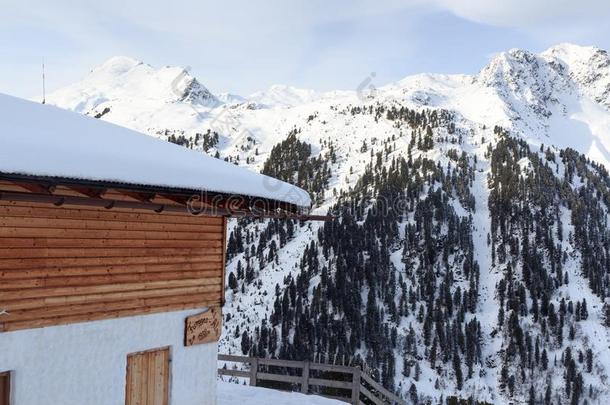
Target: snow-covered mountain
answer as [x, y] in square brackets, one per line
[283, 96]
[471, 224]
[560, 96]
[134, 94]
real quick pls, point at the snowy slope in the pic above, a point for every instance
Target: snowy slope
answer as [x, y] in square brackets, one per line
[558, 98]
[283, 96]
[231, 394]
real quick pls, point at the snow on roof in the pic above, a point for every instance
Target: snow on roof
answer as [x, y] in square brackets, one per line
[42, 140]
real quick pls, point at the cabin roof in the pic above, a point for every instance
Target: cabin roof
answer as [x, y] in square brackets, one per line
[44, 142]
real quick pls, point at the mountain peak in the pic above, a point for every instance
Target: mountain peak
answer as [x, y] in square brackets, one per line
[196, 93]
[118, 64]
[508, 68]
[567, 50]
[125, 83]
[587, 66]
[520, 55]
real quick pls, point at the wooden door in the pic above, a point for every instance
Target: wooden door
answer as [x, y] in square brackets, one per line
[5, 388]
[148, 378]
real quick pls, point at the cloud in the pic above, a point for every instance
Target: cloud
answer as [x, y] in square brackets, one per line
[244, 46]
[527, 13]
[235, 45]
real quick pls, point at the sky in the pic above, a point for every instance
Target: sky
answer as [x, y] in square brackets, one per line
[242, 46]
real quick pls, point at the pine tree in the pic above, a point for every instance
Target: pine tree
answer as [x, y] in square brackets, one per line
[245, 343]
[458, 370]
[413, 394]
[232, 282]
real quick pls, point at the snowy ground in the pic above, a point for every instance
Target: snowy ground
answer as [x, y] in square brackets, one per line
[230, 394]
[488, 306]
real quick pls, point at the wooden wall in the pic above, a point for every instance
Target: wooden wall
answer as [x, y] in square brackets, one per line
[62, 265]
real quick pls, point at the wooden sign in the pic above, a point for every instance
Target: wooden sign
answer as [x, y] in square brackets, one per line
[203, 328]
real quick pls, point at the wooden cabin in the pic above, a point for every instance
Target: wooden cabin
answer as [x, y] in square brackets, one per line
[112, 249]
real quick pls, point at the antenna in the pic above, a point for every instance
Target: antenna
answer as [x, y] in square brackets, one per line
[43, 87]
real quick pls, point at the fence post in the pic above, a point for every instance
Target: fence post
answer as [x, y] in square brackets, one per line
[305, 382]
[356, 386]
[253, 371]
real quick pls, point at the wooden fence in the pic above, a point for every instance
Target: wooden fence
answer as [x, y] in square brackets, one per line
[347, 384]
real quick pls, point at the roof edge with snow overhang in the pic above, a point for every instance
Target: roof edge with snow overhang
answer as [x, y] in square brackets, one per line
[51, 148]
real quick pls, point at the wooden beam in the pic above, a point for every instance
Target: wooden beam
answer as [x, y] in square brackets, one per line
[89, 191]
[142, 197]
[158, 208]
[182, 200]
[40, 188]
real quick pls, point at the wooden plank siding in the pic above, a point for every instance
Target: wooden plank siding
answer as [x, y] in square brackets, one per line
[63, 265]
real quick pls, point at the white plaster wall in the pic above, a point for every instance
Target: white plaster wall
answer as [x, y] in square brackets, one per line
[85, 364]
